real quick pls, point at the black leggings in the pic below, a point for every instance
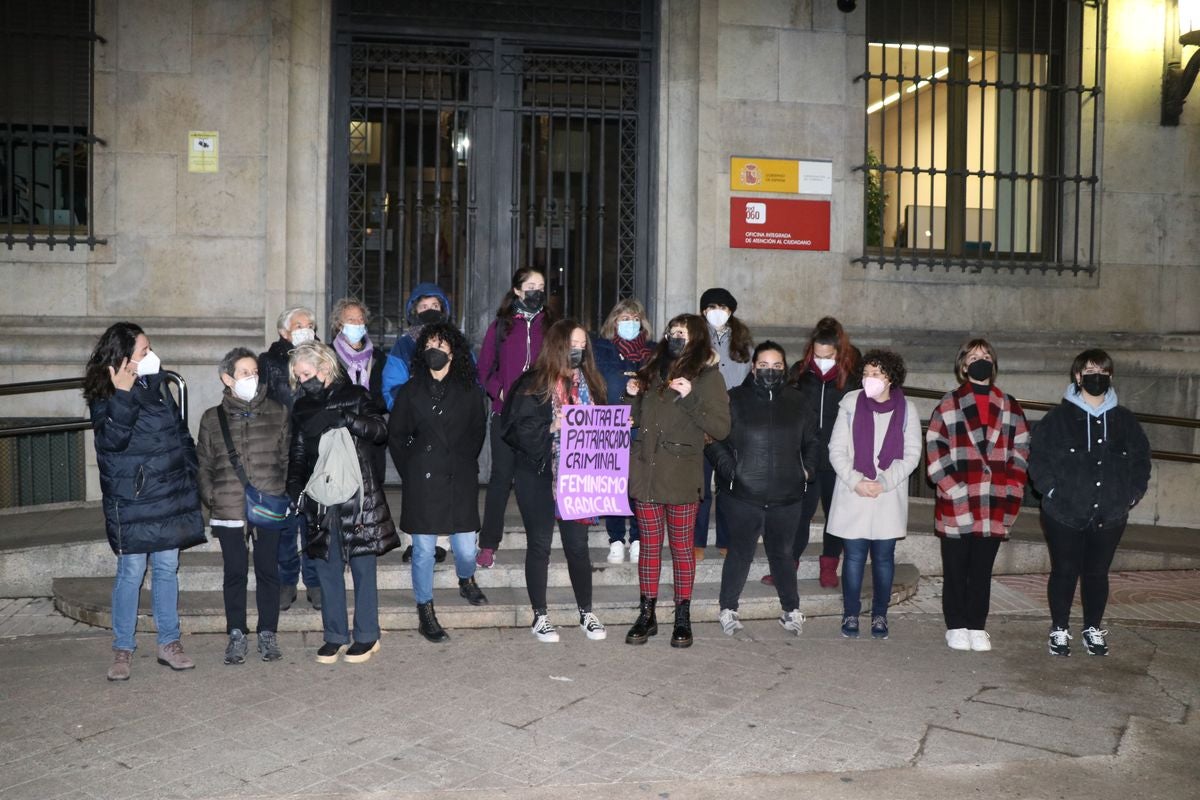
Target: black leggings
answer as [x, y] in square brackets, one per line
[1083, 556]
[495, 500]
[266, 577]
[536, 502]
[819, 488]
[777, 526]
[967, 580]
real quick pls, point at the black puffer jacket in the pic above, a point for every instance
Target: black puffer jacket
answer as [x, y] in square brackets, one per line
[772, 444]
[372, 531]
[1084, 482]
[435, 445]
[273, 371]
[822, 399]
[259, 430]
[147, 464]
[525, 426]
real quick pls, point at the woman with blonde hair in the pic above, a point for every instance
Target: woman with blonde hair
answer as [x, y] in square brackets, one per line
[357, 530]
[620, 350]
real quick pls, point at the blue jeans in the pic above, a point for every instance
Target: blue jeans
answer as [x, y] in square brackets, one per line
[883, 570]
[164, 596]
[332, 574]
[292, 561]
[616, 528]
[702, 514]
[423, 545]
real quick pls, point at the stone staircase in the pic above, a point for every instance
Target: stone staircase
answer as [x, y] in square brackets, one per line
[615, 591]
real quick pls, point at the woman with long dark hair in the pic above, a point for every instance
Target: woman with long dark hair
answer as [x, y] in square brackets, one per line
[565, 374]
[510, 347]
[435, 433]
[978, 452]
[1090, 460]
[148, 467]
[676, 400]
[827, 372]
[357, 530]
[876, 445]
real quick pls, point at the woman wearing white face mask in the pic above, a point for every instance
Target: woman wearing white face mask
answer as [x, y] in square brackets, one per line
[362, 361]
[876, 445]
[258, 430]
[732, 342]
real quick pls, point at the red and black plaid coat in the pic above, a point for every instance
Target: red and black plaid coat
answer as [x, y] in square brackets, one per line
[979, 472]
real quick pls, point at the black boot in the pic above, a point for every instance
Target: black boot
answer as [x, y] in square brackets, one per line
[430, 628]
[470, 590]
[646, 625]
[682, 635]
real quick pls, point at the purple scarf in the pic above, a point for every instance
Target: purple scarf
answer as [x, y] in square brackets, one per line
[864, 432]
[357, 362]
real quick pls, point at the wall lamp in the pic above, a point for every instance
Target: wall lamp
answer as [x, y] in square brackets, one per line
[1183, 21]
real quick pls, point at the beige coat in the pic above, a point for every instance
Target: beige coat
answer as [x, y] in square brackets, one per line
[885, 516]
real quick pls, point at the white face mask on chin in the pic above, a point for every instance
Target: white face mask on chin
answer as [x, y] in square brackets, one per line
[149, 365]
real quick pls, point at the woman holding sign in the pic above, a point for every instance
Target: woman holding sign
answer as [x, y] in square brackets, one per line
[676, 400]
[564, 374]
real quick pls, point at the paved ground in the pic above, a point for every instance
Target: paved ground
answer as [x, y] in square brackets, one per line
[496, 714]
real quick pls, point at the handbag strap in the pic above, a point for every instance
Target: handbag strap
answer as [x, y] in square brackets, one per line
[232, 451]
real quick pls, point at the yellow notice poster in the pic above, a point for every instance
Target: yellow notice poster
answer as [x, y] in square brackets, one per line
[202, 151]
[764, 175]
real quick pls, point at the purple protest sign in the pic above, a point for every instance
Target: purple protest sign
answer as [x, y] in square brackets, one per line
[593, 462]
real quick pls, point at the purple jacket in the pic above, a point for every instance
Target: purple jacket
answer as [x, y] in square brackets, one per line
[502, 362]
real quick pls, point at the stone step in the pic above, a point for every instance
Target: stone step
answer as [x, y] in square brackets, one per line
[89, 600]
[203, 571]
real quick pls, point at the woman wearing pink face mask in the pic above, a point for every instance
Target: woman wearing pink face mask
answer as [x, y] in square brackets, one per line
[875, 446]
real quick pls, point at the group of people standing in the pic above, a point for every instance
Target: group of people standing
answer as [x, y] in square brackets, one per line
[307, 425]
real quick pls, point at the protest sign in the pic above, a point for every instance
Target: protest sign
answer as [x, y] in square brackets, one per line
[593, 462]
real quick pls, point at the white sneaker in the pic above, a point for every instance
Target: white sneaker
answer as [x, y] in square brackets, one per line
[590, 624]
[635, 549]
[616, 552]
[729, 621]
[980, 641]
[958, 639]
[543, 630]
[792, 621]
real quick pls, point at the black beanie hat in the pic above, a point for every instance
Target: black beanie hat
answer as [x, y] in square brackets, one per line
[718, 297]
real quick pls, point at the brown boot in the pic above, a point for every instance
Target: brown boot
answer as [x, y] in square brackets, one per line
[119, 671]
[171, 655]
[829, 577]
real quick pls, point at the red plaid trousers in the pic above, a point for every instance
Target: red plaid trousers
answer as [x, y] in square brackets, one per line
[678, 522]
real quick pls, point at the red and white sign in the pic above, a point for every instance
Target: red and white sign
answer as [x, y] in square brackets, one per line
[774, 224]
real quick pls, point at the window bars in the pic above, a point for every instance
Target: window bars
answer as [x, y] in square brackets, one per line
[46, 137]
[981, 134]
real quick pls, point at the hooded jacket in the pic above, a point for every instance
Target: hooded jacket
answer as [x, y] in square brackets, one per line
[1091, 465]
[369, 531]
[259, 429]
[396, 368]
[771, 449]
[148, 466]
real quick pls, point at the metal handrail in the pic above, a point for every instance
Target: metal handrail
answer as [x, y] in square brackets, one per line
[1039, 405]
[66, 384]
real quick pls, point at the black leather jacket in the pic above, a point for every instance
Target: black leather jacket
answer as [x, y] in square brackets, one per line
[342, 404]
[273, 371]
[1089, 469]
[772, 448]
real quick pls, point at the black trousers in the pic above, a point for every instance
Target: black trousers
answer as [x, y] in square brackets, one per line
[820, 489]
[235, 557]
[967, 580]
[1079, 556]
[495, 501]
[777, 525]
[536, 501]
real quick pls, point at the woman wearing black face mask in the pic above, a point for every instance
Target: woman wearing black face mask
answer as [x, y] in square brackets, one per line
[565, 374]
[510, 348]
[1090, 460]
[762, 469]
[435, 433]
[978, 450]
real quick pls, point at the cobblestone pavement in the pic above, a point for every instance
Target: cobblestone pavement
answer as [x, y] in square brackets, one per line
[494, 713]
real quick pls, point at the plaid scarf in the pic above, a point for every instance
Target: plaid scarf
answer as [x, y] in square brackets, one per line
[579, 395]
[635, 350]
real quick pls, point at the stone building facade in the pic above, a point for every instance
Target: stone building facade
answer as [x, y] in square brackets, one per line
[206, 261]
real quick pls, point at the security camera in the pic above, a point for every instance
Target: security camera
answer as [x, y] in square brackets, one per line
[845, 6]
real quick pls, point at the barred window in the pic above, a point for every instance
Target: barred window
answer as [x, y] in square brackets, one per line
[981, 125]
[46, 139]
